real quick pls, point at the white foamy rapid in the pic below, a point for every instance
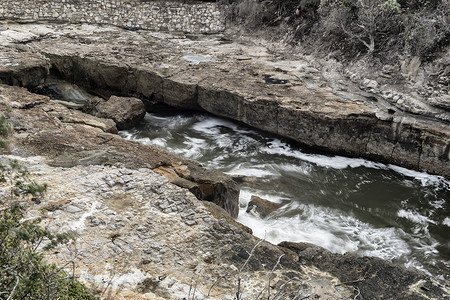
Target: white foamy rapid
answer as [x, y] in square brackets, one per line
[277, 147]
[424, 178]
[446, 222]
[340, 203]
[324, 227]
[415, 217]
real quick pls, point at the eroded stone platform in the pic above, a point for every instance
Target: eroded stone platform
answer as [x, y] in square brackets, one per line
[261, 86]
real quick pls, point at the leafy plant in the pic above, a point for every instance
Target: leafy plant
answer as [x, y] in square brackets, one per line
[5, 129]
[24, 274]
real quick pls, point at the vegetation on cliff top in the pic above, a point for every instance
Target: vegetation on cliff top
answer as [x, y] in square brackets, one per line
[383, 28]
[5, 130]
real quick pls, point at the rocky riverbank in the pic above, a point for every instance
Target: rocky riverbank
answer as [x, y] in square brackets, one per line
[235, 78]
[141, 237]
[145, 236]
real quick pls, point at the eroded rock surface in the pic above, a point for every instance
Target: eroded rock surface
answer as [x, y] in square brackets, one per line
[125, 111]
[373, 277]
[69, 138]
[239, 79]
[140, 237]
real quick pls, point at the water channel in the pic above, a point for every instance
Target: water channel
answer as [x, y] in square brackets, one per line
[342, 204]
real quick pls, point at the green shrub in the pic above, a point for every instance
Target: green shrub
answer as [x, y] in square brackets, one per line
[24, 274]
[5, 129]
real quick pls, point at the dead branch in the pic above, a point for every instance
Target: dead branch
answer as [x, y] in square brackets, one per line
[271, 273]
[216, 282]
[238, 293]
[14, 288]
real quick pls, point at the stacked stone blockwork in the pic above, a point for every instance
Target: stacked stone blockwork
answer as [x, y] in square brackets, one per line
[193, 17]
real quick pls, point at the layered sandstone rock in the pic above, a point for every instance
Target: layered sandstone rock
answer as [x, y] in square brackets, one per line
[267, 91]
[69, 138]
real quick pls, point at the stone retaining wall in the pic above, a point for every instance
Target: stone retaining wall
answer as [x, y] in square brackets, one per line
[193, 17]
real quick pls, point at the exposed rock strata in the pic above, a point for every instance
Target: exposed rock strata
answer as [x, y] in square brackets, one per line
[287, 97]
[22, 68]
[69, 138]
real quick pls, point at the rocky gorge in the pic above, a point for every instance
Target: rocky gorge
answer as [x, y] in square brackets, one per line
[283, 96]
[142, 235]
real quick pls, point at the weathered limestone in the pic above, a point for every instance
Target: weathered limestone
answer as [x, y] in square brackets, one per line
[69, 138]
[365, 273]
[140, 237]
[29, 72]
[264, 92]
[66, 115]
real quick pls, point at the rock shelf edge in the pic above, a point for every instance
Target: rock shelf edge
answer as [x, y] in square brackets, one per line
[337, 127]
[340, 120]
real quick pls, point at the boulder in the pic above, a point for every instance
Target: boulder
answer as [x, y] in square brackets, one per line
[260, 207]
[207, 185]
[90, 105]
[125, 111]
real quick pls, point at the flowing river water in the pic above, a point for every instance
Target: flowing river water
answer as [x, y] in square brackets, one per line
[342, 204]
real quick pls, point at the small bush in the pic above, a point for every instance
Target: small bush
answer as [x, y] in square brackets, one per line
[365, 22]
[415, 28]
[24, 274]
[426, 31]
[5, 129]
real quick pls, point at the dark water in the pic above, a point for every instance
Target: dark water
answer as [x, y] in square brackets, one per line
[342, 204]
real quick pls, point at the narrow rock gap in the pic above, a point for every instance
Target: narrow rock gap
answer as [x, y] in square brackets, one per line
[105, 80]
